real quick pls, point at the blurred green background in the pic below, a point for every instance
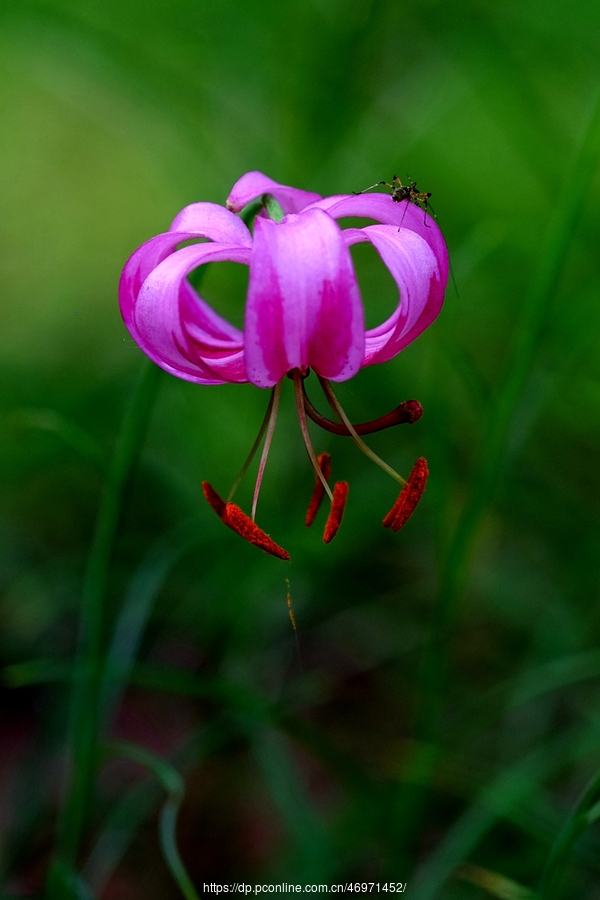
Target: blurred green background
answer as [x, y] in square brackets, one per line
[440, 717]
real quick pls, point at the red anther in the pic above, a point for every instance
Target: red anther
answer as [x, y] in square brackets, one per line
[336, 513]
[408, 498]
[242, 524]
[249, 530]
[217, 503]
[324, 461]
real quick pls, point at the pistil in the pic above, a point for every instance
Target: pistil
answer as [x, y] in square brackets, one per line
[407, 412]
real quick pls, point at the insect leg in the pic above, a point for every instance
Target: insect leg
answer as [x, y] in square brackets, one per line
[385, 183]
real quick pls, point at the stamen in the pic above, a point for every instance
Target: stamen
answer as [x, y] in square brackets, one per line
[217, 502]
[249, 530]
[336, 513]
[335, 405]
[408, 498]
[273, 408]
[324, 461]
[266, 421]
[304, 429]
[242, 524]
[409, 411]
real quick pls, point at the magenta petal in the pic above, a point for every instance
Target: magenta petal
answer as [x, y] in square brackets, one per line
[175, 327]
[382, 208]
[211, 221]
[303, 308]
[421, 278]
[138, 267]
[146, 258]
[254, 184]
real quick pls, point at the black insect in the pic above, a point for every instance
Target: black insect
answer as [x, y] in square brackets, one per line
[411, 193]
[408, 192]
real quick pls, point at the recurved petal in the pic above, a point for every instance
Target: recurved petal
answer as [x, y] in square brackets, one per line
[174, 326]
[421, 279]
[147, 257]
[303, 308]
[381, 207]
[214, 222]
[140, 264]
[254, 184]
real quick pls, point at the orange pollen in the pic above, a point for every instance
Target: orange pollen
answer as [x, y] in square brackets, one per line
[336, 513]
[408, 498]
[324, 461]
[249, 530]
[238, 521]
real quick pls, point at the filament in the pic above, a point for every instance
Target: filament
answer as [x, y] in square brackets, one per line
[324, 461]
[272, 419]
[304, 429]
[255, 445]
[337, 408]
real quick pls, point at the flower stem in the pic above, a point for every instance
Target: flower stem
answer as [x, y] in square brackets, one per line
[273, 208]
[82, 750]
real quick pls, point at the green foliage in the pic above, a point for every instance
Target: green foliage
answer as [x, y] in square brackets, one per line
[436, 722]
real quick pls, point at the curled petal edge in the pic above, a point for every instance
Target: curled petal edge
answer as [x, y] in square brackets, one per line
[214, 222]
[421, 277]
[178, 330]
[253, 185]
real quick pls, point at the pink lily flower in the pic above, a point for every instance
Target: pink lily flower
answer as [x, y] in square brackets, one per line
[303, 309]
